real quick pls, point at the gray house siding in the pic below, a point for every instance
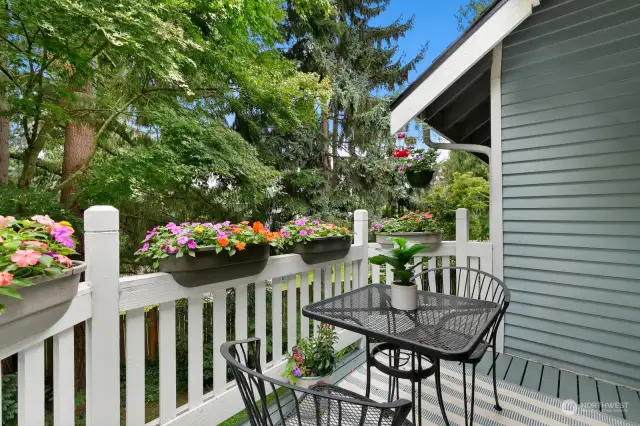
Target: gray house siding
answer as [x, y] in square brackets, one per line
[571, 187]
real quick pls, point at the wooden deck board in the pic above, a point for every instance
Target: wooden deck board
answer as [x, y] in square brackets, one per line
[609, 395]
[502, 365]
[484, 366]
[516, 371]
[630, 404]
[532, 376]
[588, 390]
[568, 385]
[549, 382]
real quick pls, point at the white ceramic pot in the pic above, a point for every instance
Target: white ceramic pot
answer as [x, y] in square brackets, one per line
[433, 239]
[307, 382]
[404, 297]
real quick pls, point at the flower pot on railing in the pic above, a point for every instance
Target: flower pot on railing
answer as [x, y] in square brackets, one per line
[419, 179]
[433, 239]
[208, 267]
[41, 306]
[323, 249]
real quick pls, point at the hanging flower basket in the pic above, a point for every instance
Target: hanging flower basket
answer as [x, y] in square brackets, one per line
[197, 254]
[415, 227]
[419, 179]
[42, 305]
[37, 279]
[316, 241]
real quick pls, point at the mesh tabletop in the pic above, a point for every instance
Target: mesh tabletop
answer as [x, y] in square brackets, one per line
[444, 326]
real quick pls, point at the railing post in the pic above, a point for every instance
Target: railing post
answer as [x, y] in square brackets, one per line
[462, 237]
[102, 254]
[361, 237]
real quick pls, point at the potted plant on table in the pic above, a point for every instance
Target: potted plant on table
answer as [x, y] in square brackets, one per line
[196, 253]
[404, 292]
[314, 359]
[414, 226]
[316, 241]
[38, 281]
[417, 164]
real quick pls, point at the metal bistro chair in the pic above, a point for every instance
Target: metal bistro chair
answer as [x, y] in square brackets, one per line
[322, 404]
[470, 283]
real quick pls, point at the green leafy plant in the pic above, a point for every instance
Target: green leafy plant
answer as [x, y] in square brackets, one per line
[9, 402]
[32, 248]
[411, 222]
[416, 160]
[400, 258]
[313, 357]
[178, 240]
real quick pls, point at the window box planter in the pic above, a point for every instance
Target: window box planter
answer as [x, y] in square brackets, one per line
[323, 249]
[433, 239]
[43, 305]
[207, 267]
[420, 179]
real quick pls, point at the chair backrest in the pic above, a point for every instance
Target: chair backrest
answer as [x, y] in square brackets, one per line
[271, 402]
[468, 282]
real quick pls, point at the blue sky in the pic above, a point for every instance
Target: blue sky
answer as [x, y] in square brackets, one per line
[435, 23]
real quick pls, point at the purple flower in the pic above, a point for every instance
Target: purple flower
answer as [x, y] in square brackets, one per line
[221, 235]
[144, 248]
[176, 230]
[300, 222]
[315, 222]
[378, 226]
[296, 372]
[226, 223]
[150, 235]
[303, 233]
[183, 240]
[409, 164]
[400, 169]
[207, 224]
[191, 244]
[217, 226]
[420, 158]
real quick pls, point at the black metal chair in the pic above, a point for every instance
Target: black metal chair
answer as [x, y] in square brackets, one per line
[322, 404]
[467, 282]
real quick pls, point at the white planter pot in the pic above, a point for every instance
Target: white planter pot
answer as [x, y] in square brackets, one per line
[404, 297]
[307, 382]
[43, 305]
[434, 239]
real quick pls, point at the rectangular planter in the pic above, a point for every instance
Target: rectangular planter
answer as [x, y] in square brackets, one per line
[208, 267]
[434, 239]
[320, 250]
[43, 305]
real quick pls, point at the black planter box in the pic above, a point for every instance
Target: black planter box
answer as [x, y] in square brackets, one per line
[320, 250]
[207, 267]
[420, 179]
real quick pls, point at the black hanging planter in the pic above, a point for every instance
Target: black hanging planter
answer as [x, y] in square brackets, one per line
[208, 267]
[420, 179]
[325, 249]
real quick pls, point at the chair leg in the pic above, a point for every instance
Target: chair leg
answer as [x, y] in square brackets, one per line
[464, 387]
[473, 391]
[439, 393]
[493, 370]
[369, 362]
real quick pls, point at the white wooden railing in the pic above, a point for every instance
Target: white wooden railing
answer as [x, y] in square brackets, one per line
[105, 295]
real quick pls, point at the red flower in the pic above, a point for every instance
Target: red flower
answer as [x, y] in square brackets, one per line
[402, 135]
[401, 153]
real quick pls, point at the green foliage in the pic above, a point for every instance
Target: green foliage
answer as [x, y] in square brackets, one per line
[400, 258]
[9, 402]
[470, 11]
[410, 222]
[314, 356]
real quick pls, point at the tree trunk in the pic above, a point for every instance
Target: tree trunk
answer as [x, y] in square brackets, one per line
[30, 160]
[80, 357]
[326, 161]
[4, 140]
[78, 144]
[334, 145]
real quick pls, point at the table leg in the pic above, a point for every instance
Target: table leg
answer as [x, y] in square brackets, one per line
[439, 392]
[419, 390]
[369, 363]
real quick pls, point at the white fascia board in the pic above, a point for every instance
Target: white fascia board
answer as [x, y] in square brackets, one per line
[483, 40]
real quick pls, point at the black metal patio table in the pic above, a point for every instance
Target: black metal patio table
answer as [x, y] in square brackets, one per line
[444, 327]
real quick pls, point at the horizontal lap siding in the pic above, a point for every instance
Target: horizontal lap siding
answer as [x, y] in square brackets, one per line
[571, 187]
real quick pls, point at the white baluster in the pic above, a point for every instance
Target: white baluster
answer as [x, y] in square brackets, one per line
[261, 319]
[167, 350]
[292, 319]
[304, 301]
[219, 337]
[63, 379]
[241, 312]
[195, 347]
[135, 357]
[446, 275]
[276, 319]
[31, 385]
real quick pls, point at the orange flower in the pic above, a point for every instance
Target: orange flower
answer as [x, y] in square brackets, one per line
[223, 242]
[344, 228]
[240, 246]
[273, 236]
[244, 222]
[237, 230]
[257, 227]
[427, 215]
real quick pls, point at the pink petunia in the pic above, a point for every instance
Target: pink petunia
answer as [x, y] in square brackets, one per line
[5, 278]
[43, 219]
[6, 220]
[24, 258]
[191, 244]
[63, 260]
[37, 244]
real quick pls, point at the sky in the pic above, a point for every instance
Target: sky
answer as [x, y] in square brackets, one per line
[435, 23]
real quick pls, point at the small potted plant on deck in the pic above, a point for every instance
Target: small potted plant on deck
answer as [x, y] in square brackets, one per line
[314, 359]
[38, 281]
[414, 226]
[404, 292]
[196, 253]
[316, 241]
[417, 164]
